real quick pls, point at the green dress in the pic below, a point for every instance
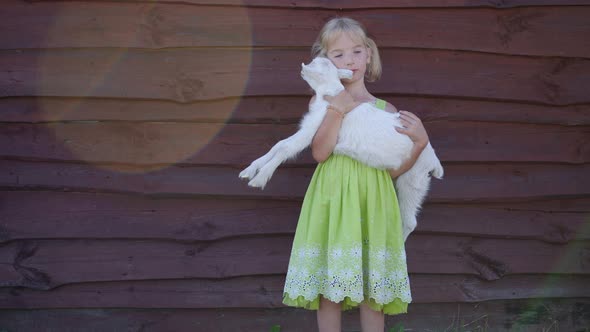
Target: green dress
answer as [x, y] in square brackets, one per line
[348, 244]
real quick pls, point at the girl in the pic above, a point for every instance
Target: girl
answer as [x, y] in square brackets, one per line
[348, 249]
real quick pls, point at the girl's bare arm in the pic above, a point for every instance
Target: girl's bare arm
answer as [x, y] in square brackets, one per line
[416, 150]
[326, 137]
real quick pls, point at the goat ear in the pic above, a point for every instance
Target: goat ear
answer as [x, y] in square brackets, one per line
[344, 73]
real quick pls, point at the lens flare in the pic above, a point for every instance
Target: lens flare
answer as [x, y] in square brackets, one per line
[575, 253]
[143, 86]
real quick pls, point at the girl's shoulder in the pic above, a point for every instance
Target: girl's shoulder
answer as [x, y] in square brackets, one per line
[385, 105]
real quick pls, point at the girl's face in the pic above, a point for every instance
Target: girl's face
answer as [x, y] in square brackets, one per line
[348, 53]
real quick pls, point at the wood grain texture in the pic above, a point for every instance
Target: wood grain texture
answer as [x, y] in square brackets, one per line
[57, 215]
[235, 144]
[185, 75]
[46, 264]
[462, 182]
[276, 110]
[267, 292]
[570, 314]
[543, 31]
[124, 126]
[351, 4]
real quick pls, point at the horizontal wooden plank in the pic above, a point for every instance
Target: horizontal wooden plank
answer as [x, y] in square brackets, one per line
[36, 215]
[46, 264]
[267, 291]
[462, 182]
[553, 221]
[276, 110]
[351, 4]
[497, 315]
[56, 215]
[235, 144]
[555, 31]
[187, 74]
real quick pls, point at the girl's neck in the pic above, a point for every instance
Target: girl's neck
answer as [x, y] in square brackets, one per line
[358, 91]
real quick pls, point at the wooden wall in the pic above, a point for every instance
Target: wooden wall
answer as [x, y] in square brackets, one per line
[124, 125]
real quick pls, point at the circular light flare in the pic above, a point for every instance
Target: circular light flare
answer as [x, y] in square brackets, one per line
[134, 142]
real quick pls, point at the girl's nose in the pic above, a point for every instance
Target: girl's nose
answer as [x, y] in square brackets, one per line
[349, 61]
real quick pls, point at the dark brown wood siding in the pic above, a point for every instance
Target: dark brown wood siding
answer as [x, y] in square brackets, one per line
[124, 125]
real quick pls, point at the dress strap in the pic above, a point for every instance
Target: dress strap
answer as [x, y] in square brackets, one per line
[380, 104]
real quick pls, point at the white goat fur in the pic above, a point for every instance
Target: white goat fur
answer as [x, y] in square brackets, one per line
[367, 134]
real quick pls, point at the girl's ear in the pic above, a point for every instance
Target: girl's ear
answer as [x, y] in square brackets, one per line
[369, 54]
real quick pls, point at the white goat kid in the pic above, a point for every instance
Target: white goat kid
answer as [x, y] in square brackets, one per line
[366, 134]
[324, 78]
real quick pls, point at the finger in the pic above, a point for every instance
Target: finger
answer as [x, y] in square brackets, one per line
[407, 116]
[411, 115]
[406, 122]
[403, 131]
[406, 125]
[409, 128]
[412, 123]
[407, 112]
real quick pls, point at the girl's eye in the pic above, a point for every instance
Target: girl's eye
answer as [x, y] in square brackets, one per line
[357, 52]
[337, 56]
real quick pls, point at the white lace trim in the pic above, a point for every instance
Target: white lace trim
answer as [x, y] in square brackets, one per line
[337, 273]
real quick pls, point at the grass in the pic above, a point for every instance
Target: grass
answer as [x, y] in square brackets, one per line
[536, 314]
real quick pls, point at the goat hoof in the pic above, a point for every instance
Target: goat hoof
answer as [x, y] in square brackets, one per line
[248, 173]
[257, 182]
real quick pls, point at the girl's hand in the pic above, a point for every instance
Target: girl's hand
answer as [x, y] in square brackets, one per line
[343, 101]
[413, 127]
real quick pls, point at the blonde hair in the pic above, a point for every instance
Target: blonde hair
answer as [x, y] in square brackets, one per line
[339, 25]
